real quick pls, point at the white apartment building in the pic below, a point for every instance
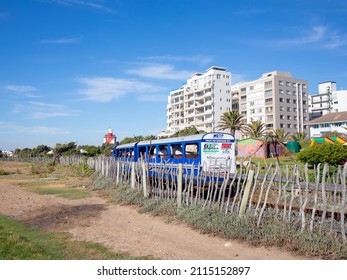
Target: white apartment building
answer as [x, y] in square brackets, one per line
[276, 99]
[200, 102]
[330, 122]
[327, 100]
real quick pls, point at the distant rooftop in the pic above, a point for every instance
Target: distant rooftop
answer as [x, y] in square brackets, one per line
[217, 68]
[330, 118]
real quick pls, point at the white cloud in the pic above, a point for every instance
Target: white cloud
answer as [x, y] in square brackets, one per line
[319, 36]
[62, 40]
[20, 88]
[105, 89]
[160, 71]
[195, 58]
[41, 110]
[152, 97]
[12, 128]
[94, 4]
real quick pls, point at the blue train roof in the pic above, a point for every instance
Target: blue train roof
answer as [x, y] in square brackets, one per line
[213, 136]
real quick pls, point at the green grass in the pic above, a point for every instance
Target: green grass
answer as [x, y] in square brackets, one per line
[47, 188]
[18, 242]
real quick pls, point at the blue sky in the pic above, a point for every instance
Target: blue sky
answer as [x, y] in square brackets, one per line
[71, 69]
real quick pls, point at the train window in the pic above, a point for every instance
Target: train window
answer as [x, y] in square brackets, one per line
[152, 151]
[124, 153]
[131, 153]
[191, 150]
[163, 151]
[142, 152]
[176, 150]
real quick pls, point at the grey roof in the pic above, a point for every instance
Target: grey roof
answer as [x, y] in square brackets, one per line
[330, 118]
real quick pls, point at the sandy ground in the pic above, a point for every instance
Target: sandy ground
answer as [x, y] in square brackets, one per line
[123, 229]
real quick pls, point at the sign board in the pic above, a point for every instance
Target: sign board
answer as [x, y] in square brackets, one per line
[218, 152]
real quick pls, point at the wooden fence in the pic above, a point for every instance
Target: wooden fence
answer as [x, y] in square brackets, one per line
[314, 199]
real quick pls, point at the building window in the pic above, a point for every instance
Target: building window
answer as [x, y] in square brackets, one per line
[288, 100]
[289, 117]
[280, 83]
[268, 92]
[282, 125]
[281, 91]
[289, 109]
[288, 92]
[281, 100]
[289, 125]
[288, 84]
[281, 108]
[281, 117]
[218, 76]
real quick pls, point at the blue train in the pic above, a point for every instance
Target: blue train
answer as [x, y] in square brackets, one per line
[211, 151]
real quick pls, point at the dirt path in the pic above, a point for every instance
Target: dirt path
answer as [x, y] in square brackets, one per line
[122, 228]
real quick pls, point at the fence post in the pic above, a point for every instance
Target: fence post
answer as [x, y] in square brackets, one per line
[144, 179]
[118, 171]
[133, 175]
[246, 192]
[179, 185]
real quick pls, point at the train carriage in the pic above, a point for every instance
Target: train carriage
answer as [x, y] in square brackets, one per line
[210, 151]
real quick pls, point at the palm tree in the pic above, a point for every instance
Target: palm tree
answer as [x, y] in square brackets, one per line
[232, 121]
[255, 129]
[281, 135]
[299, 136]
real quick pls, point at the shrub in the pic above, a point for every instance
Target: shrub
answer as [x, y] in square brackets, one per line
[326, 153]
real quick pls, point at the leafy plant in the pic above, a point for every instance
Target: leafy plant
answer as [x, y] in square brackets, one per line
[333, 154]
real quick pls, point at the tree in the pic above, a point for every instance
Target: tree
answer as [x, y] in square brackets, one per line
[187, 131]
[281, 135]
[107, 148]
[299, 136]
[150, 137]
[61, 149]
[42, 150]
[91, 150]
[333, 154]
[231, 121]
[255, 129]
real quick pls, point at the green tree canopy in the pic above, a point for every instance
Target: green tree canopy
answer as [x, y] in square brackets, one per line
[232, 121]
[255, 129]
[192, 130]
[280, 134]
[333, 154]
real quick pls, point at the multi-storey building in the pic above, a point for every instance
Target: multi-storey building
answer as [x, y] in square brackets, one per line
[276, 99]
[200, 102]
[327, 100]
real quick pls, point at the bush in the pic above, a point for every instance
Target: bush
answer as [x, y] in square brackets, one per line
[333, 154]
